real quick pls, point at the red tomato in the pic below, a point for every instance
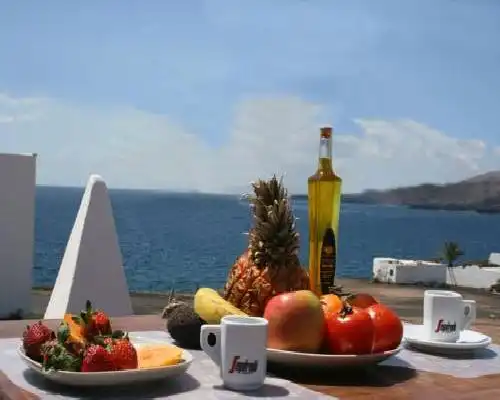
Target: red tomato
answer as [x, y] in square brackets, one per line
[350, 331]
[388, 328]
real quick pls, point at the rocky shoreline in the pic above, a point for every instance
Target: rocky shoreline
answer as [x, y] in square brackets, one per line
[455, 207]
[480, 194]
[359, 199]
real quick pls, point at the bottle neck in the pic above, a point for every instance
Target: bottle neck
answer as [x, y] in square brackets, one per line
[325, 154]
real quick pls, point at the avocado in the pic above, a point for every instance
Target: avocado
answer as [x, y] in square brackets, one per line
[184, 325]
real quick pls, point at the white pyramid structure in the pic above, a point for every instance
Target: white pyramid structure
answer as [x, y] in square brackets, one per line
[92, 266]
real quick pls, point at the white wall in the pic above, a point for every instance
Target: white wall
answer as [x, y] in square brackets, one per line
[17, 226]
[381, 269]
[407, 271]
[494, 259]
[412, 271]
[385, 269]
[474, 277]
[423, 273]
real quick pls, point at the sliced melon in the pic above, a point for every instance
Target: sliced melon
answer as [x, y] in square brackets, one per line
[158, 355]
[76, 330]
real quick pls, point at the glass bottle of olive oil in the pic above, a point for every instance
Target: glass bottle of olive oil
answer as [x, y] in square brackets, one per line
[324, 196]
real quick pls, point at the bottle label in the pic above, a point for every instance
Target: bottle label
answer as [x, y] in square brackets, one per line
[328, 261]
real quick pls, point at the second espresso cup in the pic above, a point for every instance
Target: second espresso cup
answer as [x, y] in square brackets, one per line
[446, 314]
[238, 347]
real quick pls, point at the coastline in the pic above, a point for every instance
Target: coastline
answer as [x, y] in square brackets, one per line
[359, 199]
[433, 207]
[406, 300]
[455, 207]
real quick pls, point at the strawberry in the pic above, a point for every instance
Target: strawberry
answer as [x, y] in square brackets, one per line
[100, 323]
[34, 337]
[123, 352]
[97, 359]
[94, 322]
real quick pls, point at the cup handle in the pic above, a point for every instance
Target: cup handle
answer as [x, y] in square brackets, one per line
[210, 342]
[469, 313]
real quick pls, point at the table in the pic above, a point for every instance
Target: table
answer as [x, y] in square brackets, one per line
[377, 383]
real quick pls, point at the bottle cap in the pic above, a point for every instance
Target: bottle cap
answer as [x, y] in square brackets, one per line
[326, 132]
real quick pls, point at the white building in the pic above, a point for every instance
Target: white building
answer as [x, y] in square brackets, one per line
[391, 270]
[474, 276]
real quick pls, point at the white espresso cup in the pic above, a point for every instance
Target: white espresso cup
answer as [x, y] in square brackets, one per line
[446, 314]
[238, 347]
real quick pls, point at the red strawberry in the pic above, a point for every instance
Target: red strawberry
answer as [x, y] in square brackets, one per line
[97, 359]
[100, 323]
[34, 337]
[95, 322]
[124, 353]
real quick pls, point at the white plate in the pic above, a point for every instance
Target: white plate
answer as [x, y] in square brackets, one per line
[110, 378]
[297, 359]
[469, 340]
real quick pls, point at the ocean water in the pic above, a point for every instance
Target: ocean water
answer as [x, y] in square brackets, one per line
[184, 240]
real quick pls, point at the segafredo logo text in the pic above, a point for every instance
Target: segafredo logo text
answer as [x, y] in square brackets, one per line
[243, 367]
[445, 326]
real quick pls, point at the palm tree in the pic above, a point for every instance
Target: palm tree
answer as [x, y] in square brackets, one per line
[451, 253]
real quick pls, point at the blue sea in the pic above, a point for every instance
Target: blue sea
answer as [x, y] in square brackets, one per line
[184, 240]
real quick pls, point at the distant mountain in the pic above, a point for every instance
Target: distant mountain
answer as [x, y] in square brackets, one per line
[480, 193]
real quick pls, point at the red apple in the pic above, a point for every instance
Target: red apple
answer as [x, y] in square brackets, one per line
[295, 322]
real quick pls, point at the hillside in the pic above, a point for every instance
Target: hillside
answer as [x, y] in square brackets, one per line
[480, 193]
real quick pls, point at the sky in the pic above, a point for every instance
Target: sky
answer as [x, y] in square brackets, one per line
[209, 95]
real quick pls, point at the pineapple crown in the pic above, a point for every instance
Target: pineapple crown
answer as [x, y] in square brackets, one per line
[273, 240]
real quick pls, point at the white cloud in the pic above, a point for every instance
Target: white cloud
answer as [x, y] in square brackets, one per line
[136, 149]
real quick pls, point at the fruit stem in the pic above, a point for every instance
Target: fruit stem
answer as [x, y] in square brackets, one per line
[350, 297]
[346, 310]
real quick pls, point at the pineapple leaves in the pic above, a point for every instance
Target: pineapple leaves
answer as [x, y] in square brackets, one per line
[273, 241]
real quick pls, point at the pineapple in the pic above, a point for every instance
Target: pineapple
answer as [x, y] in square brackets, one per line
[270, 265]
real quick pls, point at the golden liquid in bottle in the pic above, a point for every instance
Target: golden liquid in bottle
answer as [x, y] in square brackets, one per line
[324, 197]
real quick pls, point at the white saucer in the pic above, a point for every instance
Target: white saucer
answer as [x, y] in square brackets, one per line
[469, 340]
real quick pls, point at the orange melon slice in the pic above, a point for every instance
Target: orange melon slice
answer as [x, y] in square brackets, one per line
[76, 331]
[158, 355]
